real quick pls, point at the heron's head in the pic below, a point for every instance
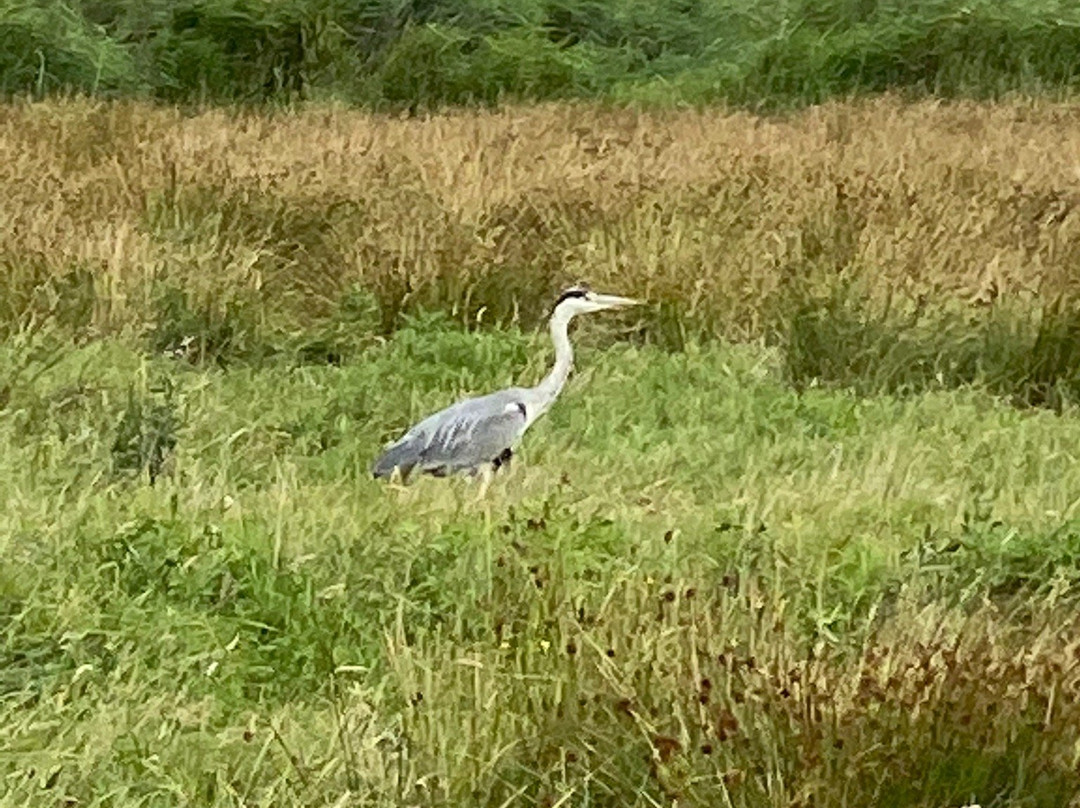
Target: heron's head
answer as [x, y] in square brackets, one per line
[581, 299]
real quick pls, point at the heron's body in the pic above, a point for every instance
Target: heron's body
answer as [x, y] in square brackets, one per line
[463, 437]
[481, 433]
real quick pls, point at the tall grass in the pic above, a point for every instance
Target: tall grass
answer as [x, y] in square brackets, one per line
[882, 247]
[51, 47]
[426, 55]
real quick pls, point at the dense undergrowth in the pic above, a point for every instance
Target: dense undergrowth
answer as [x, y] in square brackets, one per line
[426, 54]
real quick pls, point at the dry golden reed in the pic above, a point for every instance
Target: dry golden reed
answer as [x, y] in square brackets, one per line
[485, 213]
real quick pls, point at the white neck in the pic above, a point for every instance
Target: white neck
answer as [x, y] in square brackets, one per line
[548, 390]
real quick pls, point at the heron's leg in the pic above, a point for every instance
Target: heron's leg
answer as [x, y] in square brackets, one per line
[486, 473]
[399, 477]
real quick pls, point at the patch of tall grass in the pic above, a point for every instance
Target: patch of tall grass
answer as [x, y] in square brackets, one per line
[872, 243]
[1029, 357]
[431, 54]
[48, 48]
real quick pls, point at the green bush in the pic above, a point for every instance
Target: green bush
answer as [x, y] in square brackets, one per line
[436, 64]
[978, 51]
[232, 50]
[50, 47]
[432, 52]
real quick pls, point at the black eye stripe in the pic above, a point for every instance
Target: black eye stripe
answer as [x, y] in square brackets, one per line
[569, 293]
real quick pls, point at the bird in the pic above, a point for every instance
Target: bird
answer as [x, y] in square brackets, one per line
[478, 435]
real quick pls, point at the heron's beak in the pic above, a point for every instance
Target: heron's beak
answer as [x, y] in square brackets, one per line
[614, 301]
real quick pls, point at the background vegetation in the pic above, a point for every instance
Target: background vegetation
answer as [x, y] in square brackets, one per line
[424, 53]
[803, 530]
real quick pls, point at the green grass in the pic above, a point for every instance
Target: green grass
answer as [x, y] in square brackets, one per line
[445, 52]
[697, 584]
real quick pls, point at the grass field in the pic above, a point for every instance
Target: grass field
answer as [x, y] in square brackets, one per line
[803, 532]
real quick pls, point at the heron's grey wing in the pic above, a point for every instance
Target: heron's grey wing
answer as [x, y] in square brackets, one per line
[474, 434]
[406, 452]
[466, 435]
[403, 455]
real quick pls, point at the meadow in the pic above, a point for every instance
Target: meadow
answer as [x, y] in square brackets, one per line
[801, 531]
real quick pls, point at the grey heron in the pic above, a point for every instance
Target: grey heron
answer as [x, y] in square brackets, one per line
[479, 434]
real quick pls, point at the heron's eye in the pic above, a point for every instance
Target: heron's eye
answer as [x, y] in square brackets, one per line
[574, 292]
